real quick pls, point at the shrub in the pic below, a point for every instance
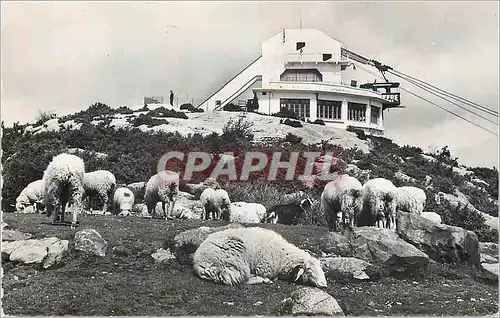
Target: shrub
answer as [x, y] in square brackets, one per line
[43, 116]
[291, 138]
[286, 113]
[95, 110]
[124, 110]
[163, 112]
[232, 108]
[359, 132]
[191, 108]
[147, 120]
[319, 122]
[490, 176]
[292, 123]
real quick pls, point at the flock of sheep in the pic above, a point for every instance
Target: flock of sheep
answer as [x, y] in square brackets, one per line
[233, 256]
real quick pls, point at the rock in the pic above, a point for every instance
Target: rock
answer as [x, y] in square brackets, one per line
[335, 243]
[91, 242]
[47, 251]
[491, 268]
[162, 255]
[14, 235]
[4, 225]
[443, 243]
[310, 301]
[432, 216]
[383, 246]
[186, 243]
[485, 258]
[121, 250]
[345, 266]
[399, 175]
[488, 248]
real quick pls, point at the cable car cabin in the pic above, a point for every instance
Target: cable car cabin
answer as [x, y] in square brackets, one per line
[392, 97]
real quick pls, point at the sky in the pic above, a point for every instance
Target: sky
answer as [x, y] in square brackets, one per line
[64, 56]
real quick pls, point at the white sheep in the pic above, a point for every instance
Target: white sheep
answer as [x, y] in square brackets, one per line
[139, 189]
[244, 212]
[342, 195]
[379, 203]
[63, 184]
[411, 199]
[99, 182]
[162, 187]
[31, 194]
[123, 201]
[254, 255]
[216, 203]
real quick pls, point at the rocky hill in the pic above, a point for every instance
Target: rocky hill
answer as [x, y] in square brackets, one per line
[143, 270]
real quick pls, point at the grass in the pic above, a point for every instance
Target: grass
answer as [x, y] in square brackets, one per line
[135, 285]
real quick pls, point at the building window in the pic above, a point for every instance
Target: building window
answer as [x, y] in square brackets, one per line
[329, 109]
[300, 45]
[374, 115]
[356, 112]
[301, 75]
[217, 103]
[301, 107]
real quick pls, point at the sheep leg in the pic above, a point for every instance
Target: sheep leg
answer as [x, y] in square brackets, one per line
[259, 280]
[104, 198]
[172, 208]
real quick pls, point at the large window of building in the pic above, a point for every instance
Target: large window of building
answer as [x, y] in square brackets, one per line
[301, 75]
[301, 107]
[329, 109]
[356, 112]
[374, 115]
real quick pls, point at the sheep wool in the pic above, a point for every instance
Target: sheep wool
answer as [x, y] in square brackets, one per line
[254, 255]
[379, 203]
[341, 195]
[244, 212]
[163, 187]
[411, 199]
[31, 194]
[123, 201]
[63, 185]
[100, 182]
[215, 203]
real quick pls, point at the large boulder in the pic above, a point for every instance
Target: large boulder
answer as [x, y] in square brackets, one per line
[432, 216]
[383, 246]
[47, 251]
[348, 266]
[310, 301]
[336, 244]
[443, 243]
[14, 235]
[186, 243]
[90, 241]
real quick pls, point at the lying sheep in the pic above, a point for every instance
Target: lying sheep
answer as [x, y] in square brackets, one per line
[411, 199]
[123, 201]
[63, 184]
[379, 203]
[288, 214]
[254, 255]
[32, 194]
[342, 195]
[244, 212]
[101, 183]
[216, 203]
[139, 189]
[162, 187]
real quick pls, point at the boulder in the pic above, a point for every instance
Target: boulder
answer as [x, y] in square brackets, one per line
[335, 243]
[443, 243]
[310, 301]
[47, 251]
[90, 241]
[14, 235]
[485, 258]
[383, 246]
[162, 255]
[491, 268]
[121, 250]
[432, 216]
[349, 266]
[186, 243]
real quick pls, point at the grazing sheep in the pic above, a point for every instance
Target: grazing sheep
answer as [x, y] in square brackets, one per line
[379, 203]
[139, 189]
[341, 195]
[411, 199]
[162, 187]
[100, 182]
[32, 194]
[63, 185]
[123, 200]
[244, 212]
[288, 214]
[254, 255]
[197, 189]
[216, 203]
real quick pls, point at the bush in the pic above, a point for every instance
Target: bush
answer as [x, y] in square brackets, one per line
[291, 138]
[292, 123]
[124, 110]
[96, 110]
[359, 132]
[286, 113]
[147, 120]
[232, 108]
[191, 108]
[163, 112]
[319, 122]
[43, 116]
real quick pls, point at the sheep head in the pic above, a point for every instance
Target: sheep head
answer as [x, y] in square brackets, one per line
[311, 273]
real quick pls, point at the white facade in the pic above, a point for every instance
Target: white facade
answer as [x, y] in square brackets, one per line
[303, 70]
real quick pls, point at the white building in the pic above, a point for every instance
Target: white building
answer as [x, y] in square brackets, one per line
[306, 71]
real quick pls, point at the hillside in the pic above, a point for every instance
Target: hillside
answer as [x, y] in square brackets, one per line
[129, 142]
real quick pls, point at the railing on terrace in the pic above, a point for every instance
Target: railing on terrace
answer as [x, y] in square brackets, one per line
[314, 58]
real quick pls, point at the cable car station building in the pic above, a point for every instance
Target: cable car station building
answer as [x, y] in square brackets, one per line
[306, 71]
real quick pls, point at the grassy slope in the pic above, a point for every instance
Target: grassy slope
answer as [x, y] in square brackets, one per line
[135, 285]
